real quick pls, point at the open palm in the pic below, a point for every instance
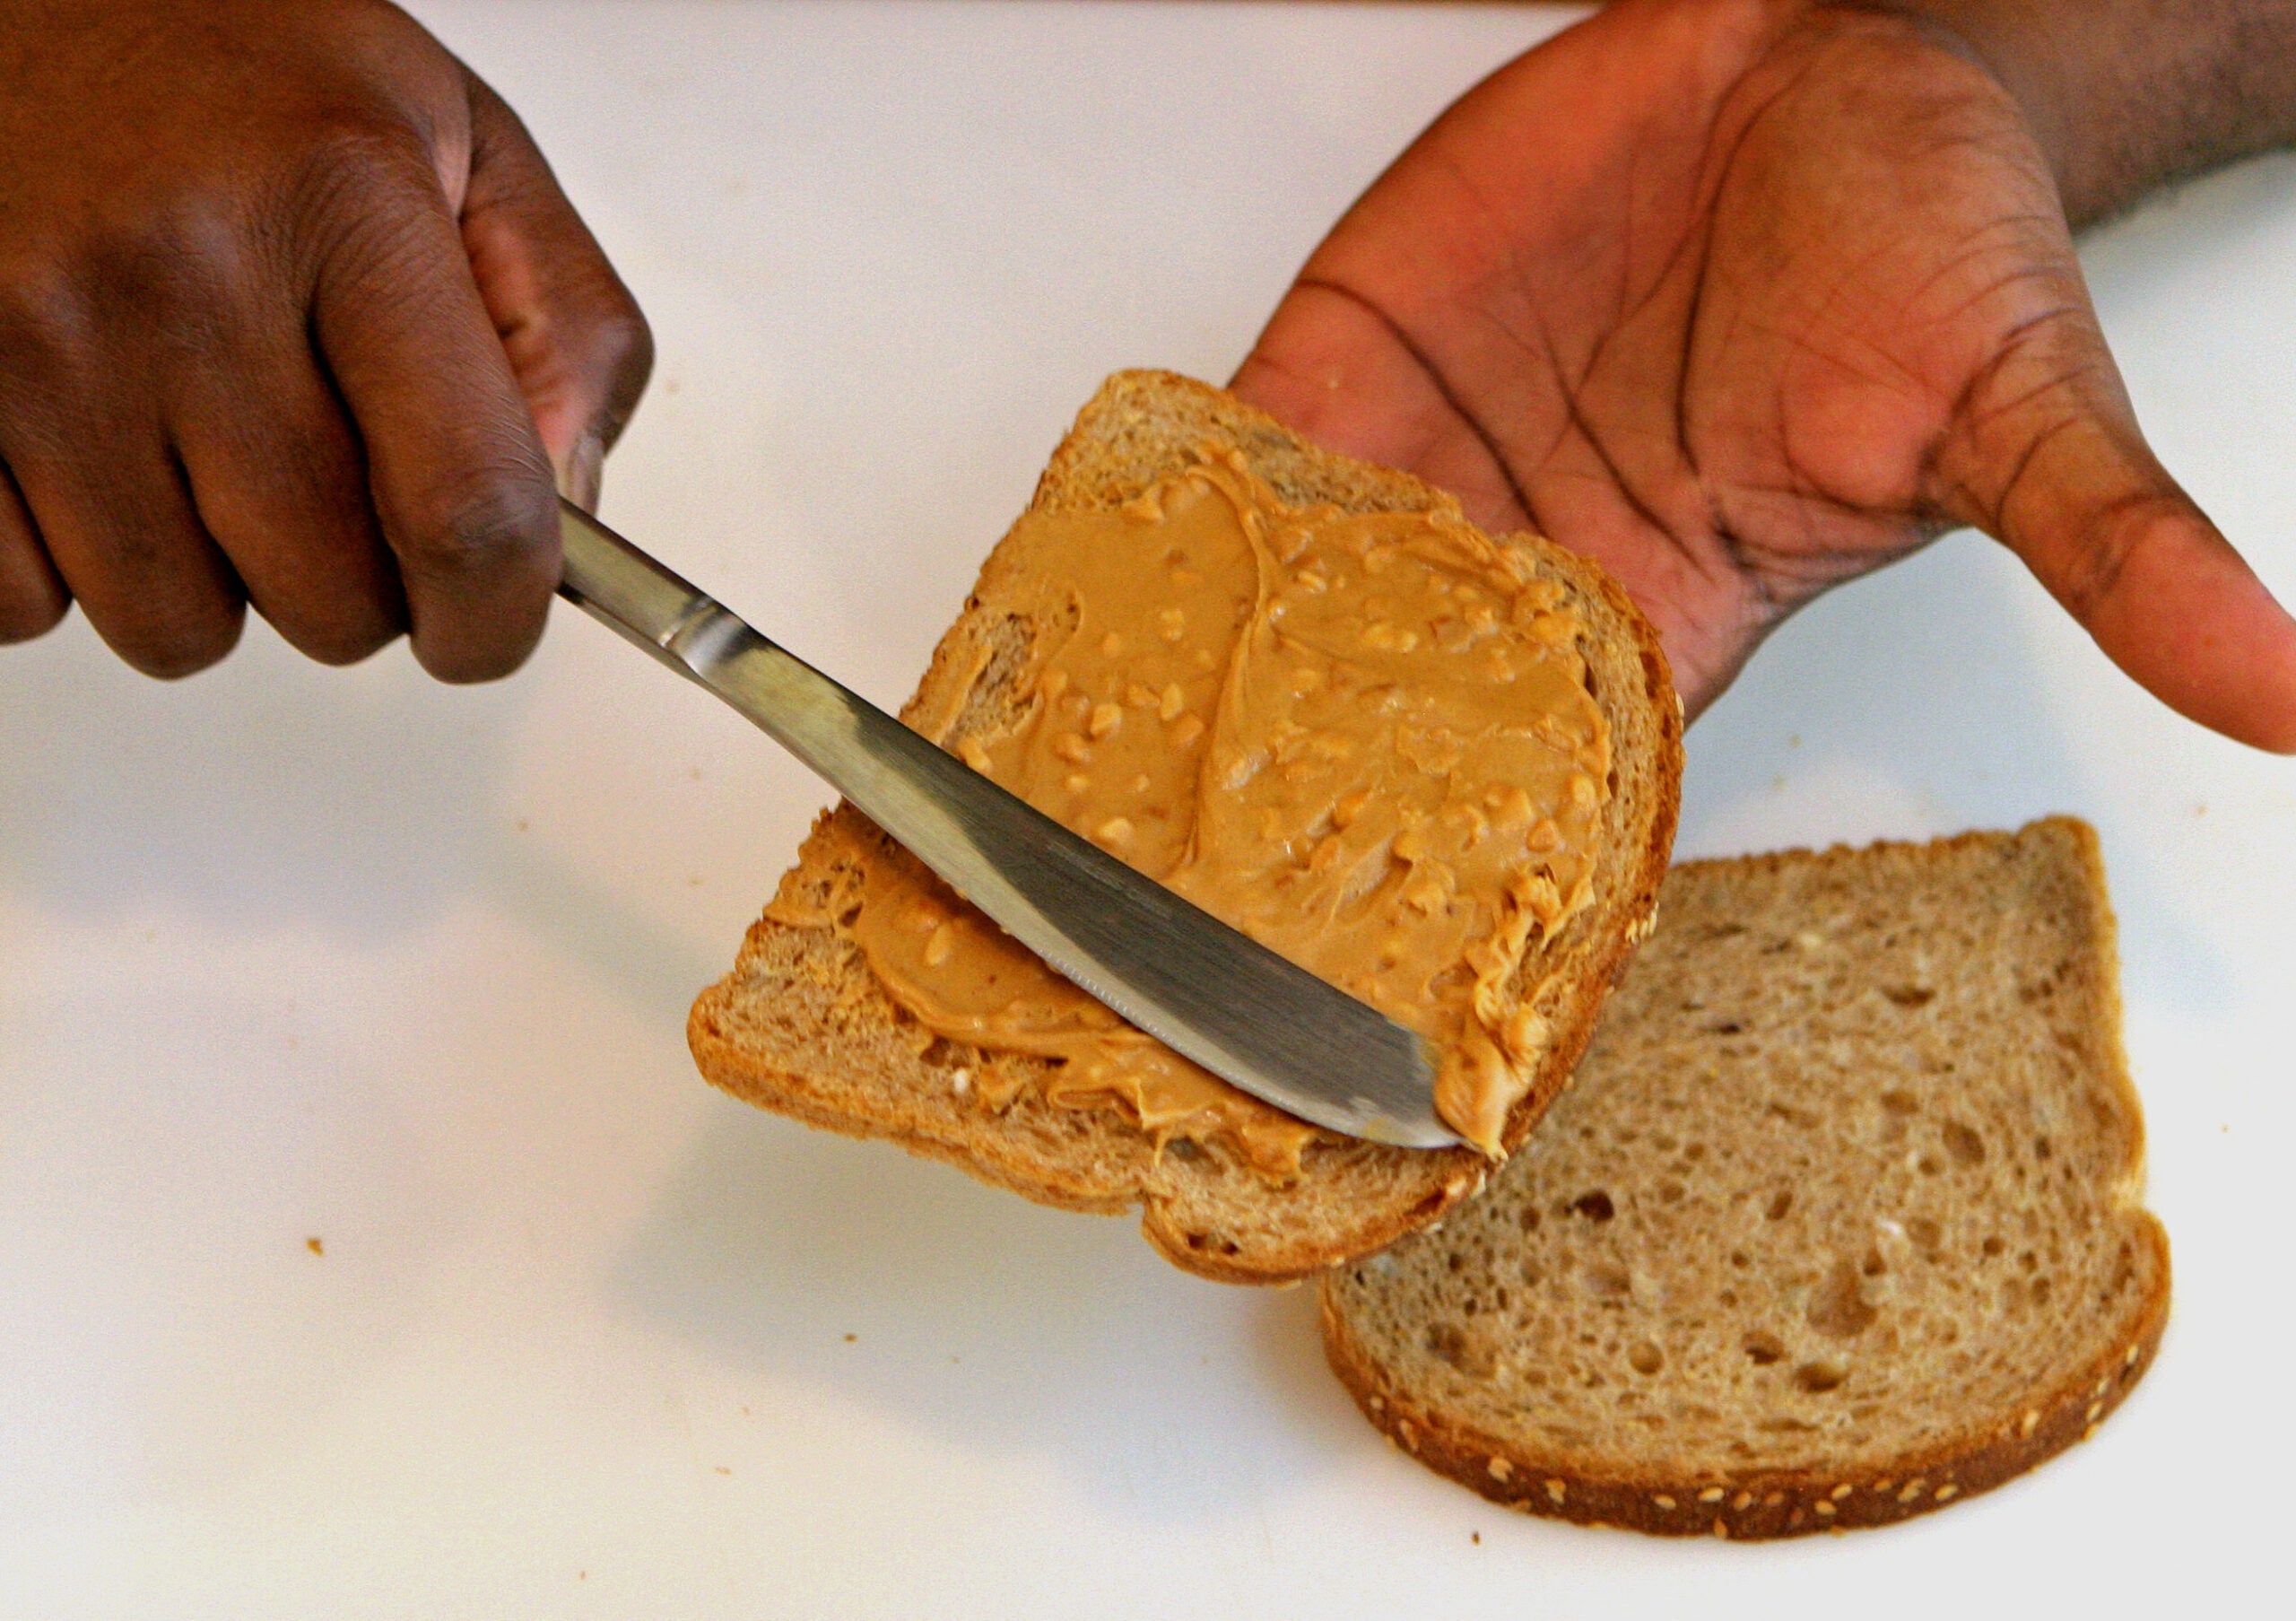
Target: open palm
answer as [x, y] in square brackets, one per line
[1744, 301]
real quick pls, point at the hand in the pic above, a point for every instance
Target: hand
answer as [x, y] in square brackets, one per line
[1745, 299]
[292, 314]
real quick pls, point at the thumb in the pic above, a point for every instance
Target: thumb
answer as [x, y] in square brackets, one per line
[2047, 457]
[577, 343]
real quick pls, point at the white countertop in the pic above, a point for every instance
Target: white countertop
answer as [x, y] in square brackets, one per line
[291, 953]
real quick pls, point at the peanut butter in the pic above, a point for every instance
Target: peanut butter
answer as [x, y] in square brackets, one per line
[1365, 739]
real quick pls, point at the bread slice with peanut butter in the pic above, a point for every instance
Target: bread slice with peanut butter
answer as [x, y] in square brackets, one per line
[1438, 769]
[1838, 1224]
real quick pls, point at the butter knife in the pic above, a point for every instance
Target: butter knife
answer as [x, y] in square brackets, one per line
[1248, 1016]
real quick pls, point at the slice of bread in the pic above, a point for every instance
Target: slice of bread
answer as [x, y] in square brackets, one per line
[801, 1025]
[1839, 1221]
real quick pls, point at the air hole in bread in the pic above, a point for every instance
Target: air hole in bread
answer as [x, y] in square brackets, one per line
[1781, 1204]
[1909, 996]
[1595, 1206]
[1964, 1144]
[1449, 1343]
[1762, 1349]
[1646, 1358]
[1821, 1376]
[1837, 1308]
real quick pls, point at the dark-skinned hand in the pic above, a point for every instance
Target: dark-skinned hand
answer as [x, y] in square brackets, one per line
[1745, 299]
[292, 315]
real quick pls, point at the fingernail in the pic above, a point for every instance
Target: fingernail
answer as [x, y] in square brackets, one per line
[578, 479]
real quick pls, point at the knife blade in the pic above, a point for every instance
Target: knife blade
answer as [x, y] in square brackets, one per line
[1208, 991]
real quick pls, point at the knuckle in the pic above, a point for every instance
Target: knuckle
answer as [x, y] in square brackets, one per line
[364, 141]
[359, 158]
[622, 348]
[625, 340]
[482, 522]
[164, 273]
[2091, 575]
[46, 322]
[194, 252]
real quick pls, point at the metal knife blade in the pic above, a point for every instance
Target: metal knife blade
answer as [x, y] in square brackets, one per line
[1248, 1016]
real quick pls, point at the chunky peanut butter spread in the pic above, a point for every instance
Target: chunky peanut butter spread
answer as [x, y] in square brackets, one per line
[1365, 739]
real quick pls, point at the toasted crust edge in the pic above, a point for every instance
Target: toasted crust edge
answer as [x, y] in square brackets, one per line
[1759, 1506]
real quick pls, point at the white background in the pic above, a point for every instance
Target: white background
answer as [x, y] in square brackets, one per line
[287, 953]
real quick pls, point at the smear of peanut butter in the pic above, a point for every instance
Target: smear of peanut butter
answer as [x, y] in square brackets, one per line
[1365, 739]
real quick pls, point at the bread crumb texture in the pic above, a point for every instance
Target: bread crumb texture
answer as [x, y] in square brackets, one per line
[1839, 1221]
[802, 1026]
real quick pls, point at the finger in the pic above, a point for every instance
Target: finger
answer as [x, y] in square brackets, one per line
[33, 596]
[119, 526]
[277, 475]
[2060, 472]
[577, 343]
[458, 476]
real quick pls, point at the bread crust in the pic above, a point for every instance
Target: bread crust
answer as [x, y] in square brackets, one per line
[1218, 1221]
[1757, 1503]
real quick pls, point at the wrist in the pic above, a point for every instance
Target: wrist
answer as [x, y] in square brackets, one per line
[2005, 38]
[2123, 96]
